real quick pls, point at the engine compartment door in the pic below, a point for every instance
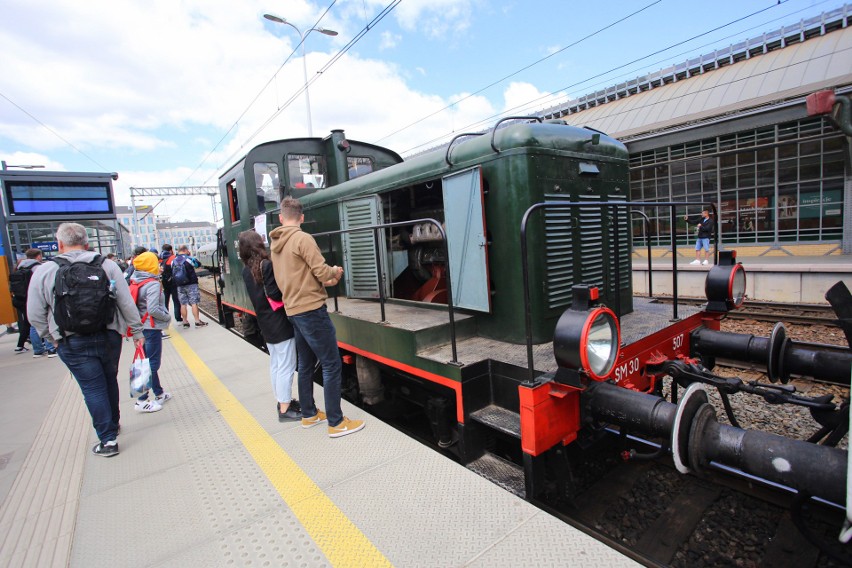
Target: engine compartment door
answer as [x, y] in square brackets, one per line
[359, 251]
[464, 220]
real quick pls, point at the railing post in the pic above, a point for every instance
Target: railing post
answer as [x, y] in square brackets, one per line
[379, 277]
[331, 254]
[674, 261]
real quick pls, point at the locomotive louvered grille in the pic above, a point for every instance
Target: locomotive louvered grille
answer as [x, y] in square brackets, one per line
[359, 248]
[591, 243]
[559, 256]
[622, 220]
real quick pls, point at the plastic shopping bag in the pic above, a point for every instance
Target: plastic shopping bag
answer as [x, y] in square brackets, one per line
[140, 373]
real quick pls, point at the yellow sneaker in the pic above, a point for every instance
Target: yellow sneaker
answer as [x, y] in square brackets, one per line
[345, 427]
[317, 418]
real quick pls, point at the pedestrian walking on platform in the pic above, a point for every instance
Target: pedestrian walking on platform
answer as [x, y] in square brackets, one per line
[81, 302]
[302, 274]
[276, 329]
[169, 288]
[19, 282]
[146, 289]
[186, 280]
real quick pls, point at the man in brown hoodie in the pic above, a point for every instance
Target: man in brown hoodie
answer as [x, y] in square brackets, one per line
[302, 274]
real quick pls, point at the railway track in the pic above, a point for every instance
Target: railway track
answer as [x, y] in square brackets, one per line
[667, 519]
[809, 314]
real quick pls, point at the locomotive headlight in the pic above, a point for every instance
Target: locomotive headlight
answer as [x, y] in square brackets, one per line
[725, 286]
[587, 339]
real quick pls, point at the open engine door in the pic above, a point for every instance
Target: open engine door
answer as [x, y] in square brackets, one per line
[464, 219]
[359, 251]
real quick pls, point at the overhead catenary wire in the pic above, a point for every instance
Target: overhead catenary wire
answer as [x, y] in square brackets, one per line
[52, 131]
[521, 70]
[513, 110]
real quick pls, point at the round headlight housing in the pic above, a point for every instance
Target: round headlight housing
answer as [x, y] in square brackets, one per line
[725, 286]
[587, 341]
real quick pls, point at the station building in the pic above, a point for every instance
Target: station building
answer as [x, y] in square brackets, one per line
[152, 231]
[731, 127]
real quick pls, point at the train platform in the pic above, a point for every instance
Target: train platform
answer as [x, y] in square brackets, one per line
[215, 480]
[776, 277]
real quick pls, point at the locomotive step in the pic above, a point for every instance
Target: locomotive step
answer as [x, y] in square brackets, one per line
[501, 472]
[500, 419]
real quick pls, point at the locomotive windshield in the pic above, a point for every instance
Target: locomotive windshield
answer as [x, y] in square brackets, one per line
[306, 171]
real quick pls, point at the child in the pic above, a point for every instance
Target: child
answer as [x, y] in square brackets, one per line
[155, 318]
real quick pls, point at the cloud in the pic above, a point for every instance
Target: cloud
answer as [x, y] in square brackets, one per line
[389, 40]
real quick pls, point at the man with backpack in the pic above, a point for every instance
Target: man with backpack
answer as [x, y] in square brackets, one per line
[82, 304]
[186, 280]
[19, 283]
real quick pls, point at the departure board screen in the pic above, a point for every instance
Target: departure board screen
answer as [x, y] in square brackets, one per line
[58, 198]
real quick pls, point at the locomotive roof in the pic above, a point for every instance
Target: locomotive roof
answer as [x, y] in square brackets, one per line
[549, 137]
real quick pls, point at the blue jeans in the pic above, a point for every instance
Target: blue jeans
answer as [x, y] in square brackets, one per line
[93, 360]
[39, 346]
[317, 339]
[154, 352]
[702, 243]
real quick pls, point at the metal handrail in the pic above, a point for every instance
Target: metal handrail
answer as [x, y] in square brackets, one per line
[380, 274]
[602, 204]
[648, 243]
[505, 119]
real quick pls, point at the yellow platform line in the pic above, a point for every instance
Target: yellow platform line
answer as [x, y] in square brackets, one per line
[337, 537]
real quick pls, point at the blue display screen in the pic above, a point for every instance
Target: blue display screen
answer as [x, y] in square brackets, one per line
[58, 198]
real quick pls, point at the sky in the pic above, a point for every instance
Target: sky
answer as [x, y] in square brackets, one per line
[173, 92]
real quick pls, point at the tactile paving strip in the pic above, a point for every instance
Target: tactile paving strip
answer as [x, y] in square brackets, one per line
[182, 471]
[38, 515]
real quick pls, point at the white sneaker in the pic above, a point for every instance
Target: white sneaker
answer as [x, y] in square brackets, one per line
[706, 262]
[696, 262]
[148, 406]
[164, 397]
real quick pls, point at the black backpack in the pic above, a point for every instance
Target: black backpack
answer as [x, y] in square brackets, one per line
[180, 271]
[166, 272]
[19, 282]
[85, 297]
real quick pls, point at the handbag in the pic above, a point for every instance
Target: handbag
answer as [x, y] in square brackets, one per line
[275, 304]
[140, 373]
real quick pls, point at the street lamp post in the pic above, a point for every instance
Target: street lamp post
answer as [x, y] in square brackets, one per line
[302, 36]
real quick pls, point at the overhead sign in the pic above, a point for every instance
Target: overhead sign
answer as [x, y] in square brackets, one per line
[48, 246]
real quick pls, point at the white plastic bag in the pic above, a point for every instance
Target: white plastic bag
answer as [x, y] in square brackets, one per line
[140, 373]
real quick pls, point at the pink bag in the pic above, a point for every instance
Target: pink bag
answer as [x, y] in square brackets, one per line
[275, 304]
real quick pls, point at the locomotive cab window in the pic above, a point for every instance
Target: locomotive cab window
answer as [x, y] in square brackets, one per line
[359, 166]
[306, 173]
[266, 183]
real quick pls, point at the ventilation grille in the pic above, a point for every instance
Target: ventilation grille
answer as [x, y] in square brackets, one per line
[559, 255]
[359, 248]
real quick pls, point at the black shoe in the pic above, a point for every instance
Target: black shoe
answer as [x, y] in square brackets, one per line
[290, 416]
[100, 449]
[294, 404]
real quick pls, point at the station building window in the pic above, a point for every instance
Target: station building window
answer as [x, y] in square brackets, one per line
[780, 183]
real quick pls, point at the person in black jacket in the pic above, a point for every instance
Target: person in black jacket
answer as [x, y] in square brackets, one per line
[704, 232]
[276, 328]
